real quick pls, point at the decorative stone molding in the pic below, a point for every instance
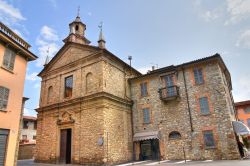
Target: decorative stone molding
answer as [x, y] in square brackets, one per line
[66, 118]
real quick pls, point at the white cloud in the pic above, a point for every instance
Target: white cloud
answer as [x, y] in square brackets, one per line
[48, 33]
[144, 70]
[9, 14]
[47, 44]
[53, 3]
[207, 12]
[238, 10]
[244, 39]
[241, 88]
[210, 15]
[37, 85]
[29, 112]
[89, 13]
[32, 77]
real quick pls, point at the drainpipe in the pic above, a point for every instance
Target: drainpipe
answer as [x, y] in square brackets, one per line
[189, 111]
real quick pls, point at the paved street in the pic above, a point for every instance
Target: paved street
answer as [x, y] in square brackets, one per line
[161, 163]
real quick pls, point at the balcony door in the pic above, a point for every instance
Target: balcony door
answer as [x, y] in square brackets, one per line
[169, 83]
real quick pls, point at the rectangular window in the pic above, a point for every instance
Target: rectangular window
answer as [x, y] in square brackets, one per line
[247, 110]
[4, 96]
[209, 139]
[24, 137]
[25, 125]
[248, 122]
[35, 125]
[169, 81]
[34, 137]
[198, 76]
[68, 87]
[9, 59]
[204, 107]
[144, 91]
[146, 115]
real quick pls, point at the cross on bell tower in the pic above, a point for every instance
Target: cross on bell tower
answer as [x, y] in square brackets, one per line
[77, 31]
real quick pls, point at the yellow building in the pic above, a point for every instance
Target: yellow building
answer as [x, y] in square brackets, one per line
[14, 55]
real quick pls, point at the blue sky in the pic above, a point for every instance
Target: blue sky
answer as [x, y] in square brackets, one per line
[154, 32]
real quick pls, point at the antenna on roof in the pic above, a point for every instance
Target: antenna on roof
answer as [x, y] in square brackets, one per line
[130, 59]
[78, 11]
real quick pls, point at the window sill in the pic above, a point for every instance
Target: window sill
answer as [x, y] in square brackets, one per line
[199, 83]
[8, 70]
[3, 110]
[208, 114]
[210, 148]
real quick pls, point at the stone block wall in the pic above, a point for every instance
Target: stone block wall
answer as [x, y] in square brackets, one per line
[92, 120]
[168, 116]
[26, 151]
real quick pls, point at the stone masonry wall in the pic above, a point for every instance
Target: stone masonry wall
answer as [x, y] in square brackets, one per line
[89, 116]
[174, 116]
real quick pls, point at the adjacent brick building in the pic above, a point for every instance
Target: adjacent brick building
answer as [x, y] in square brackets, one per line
[187, 107]
[96, 109]
[243, 113]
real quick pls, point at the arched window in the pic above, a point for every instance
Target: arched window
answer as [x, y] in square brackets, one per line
[174, 135]
[50, 93]
[77, 27]
[89, 82]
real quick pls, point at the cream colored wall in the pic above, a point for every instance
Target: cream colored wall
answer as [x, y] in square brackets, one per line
[30, 131]
[10, 119]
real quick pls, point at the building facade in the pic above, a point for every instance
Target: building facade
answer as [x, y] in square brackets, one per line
[85, 109]
[184, 108]
[243, 113]
[28, 130]
[96, 109]
[14, 55]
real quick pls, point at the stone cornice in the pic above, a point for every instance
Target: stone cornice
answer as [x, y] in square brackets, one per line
[90, 57]
[99, 95]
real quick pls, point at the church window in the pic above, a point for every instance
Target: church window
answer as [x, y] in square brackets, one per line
[68, 87]
[90, 85]
[50, 93]
[174, 135]
[77, 27]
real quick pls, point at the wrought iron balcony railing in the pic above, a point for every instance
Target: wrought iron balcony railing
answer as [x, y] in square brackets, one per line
[169, 93]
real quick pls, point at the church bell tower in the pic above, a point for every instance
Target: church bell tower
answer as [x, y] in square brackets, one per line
[77, 32]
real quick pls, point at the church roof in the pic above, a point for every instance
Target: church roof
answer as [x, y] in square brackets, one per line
[89, 46]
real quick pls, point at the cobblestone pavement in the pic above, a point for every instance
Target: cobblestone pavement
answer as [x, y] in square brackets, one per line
[157, 163]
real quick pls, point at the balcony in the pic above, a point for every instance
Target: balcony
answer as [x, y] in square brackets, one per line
[169, 93]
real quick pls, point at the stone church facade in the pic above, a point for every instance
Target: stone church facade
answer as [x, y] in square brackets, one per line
[92, 111]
